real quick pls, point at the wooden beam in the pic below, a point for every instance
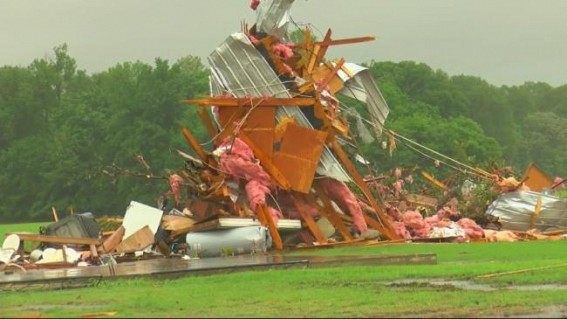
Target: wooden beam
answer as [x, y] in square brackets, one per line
[319, 52]
[349, 40]
[331, 75]
[309, 220]
[58, 239]
[195, 145]
[206, 119]
[251, 101]
[328, 212]
[55, 217]
[383, 226]
[266, 162]
[272, 227]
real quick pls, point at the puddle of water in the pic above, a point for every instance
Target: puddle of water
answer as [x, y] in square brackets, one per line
[468, 285]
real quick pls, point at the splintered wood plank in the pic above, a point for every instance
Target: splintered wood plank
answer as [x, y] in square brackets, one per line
[260, 127]
[332, 75]
[267, 163]
[331, 214]
[139, 240]
[298, 156]
[311, 224]
[349, 40]
[206, 119]
[325, 71]
[192, 141]
[319, 51]
[256, 101]
[113, 240]
[228, 119]
[57, 239]
[272, 227]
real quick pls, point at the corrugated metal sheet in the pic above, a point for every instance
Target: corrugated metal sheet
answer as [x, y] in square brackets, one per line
[516, 210]
[238, 67]
[363, 87]
[273, 17]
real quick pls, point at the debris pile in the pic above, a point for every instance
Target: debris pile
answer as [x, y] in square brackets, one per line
[282, 170]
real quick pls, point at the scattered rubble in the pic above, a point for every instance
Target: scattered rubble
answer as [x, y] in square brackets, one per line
[282, 172]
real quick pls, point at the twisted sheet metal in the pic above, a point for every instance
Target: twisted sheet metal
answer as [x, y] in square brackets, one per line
[240, 69]
[516, 211]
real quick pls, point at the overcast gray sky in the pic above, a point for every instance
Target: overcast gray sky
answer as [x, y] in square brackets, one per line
[506, 42]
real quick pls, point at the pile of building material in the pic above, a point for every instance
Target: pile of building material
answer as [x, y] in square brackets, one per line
[280, 135]
[282, 170]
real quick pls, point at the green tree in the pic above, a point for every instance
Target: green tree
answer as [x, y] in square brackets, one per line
[545, 134]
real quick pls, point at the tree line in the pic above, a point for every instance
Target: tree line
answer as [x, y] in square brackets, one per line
[69, 139]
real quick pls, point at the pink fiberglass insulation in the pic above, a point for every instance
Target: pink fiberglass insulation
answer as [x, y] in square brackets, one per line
[238, 162]
[276, 214]
[433, 221]
[394, 212]
[472, 229]
[415, 224]
[253, 39]
[283, 51]
[401, 230]
[446, 212]
[453, 203]
[398, 173]
[558, 183]
[345, 199]
[256, 193]
[502, 235]
[254, 4]
[398, 187]
[236, 147]
[175, 186]
[285, 203]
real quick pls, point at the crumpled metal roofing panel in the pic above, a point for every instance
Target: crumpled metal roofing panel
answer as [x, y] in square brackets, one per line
[363, 87]
[237, 66]
[273, 17]
[515, 211]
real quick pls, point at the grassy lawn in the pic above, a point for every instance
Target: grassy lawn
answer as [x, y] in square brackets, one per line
[345, 291]
[29, 227]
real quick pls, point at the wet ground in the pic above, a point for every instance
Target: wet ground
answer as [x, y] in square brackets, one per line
[469, 285]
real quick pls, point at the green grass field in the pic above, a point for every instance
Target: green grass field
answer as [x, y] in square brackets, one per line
[29, 227]
[345, 291]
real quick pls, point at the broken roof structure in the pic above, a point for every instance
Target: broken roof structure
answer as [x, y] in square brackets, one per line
[279, 129]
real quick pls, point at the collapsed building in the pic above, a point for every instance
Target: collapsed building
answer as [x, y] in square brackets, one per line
[279, 133]
[282, 171]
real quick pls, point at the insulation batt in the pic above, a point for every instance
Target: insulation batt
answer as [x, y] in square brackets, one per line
[287, 204]
[503, 235]
[398, 173]
[433, 221]
[282, 50]
[175, 186]
[472, 229]
[398, 187]
[254, 4]
[415, 224]
[446, 212]
[238, 161]
[394, 212]
[557, 181]
[345, 199]
[401, 230]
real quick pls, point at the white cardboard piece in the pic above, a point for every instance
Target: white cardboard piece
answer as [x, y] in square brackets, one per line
[139, 215]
